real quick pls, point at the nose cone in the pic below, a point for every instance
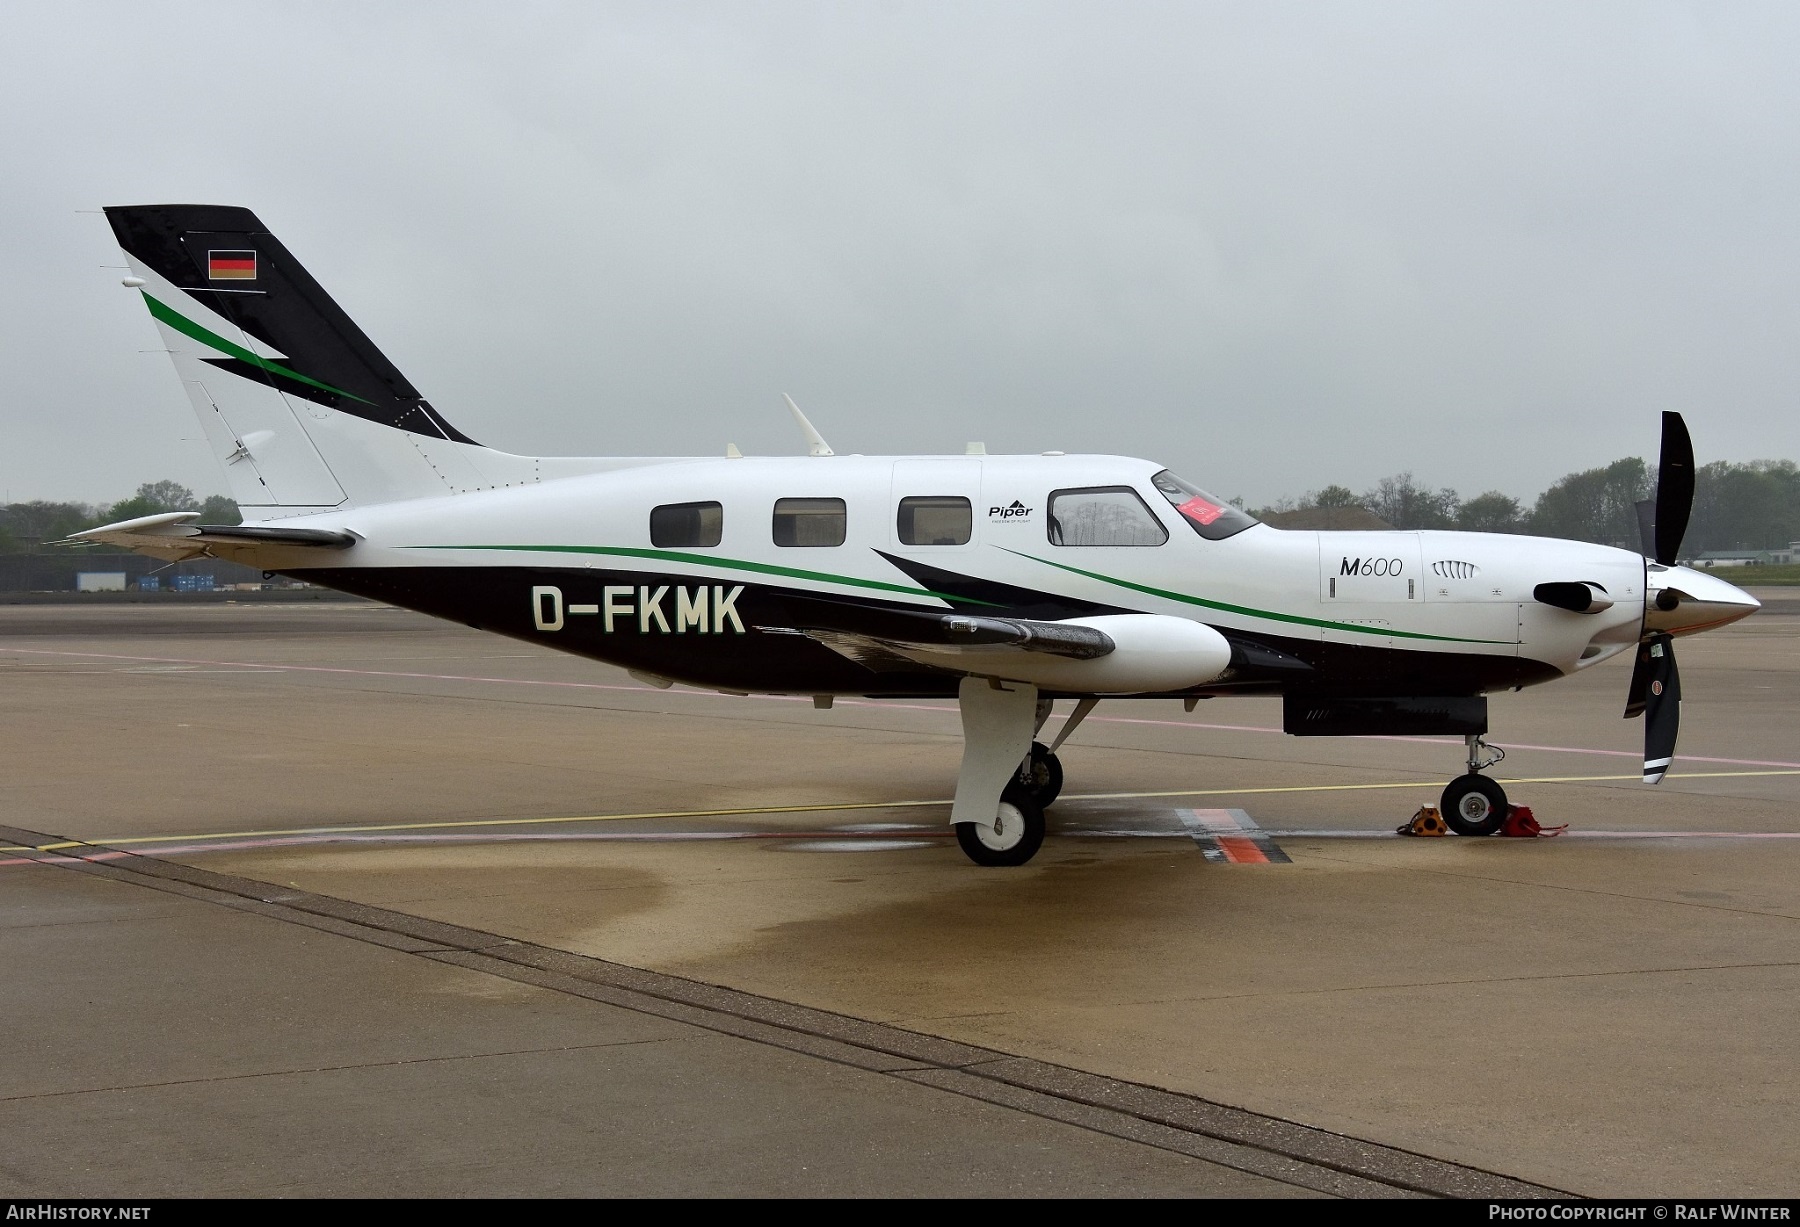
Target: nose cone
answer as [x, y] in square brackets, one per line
[1683, 601]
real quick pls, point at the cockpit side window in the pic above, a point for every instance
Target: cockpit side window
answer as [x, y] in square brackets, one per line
[1213, 518]
[1103, 515]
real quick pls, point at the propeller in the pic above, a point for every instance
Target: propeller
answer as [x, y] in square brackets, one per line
[1674, 488]
[1655, 682]
[1663, 521]
[1656, 695]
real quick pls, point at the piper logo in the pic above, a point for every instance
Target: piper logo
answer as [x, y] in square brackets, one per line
[689, 609]
[1014, 511]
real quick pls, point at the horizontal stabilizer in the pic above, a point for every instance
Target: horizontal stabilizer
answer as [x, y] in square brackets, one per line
[172, 535]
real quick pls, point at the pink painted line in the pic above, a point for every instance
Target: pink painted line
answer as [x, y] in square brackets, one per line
[891, 705]
[1447, 741]
[60, 859]
[1683, 834]
[188, 849]
[1386, 833]
[266, 667]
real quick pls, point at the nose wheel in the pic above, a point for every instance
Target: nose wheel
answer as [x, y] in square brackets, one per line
[1472, 804]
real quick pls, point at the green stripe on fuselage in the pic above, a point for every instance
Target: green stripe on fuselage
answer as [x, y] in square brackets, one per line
[729, 564]
[1226, 607]
[187, 327]
[764, 568]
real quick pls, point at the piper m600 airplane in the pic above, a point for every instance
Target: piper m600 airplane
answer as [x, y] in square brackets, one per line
[1006, 582]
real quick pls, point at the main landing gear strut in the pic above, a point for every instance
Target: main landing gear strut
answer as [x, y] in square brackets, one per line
[1474, 804]
[1007, 779]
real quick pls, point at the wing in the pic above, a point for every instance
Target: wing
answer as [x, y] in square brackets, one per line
[173, 536]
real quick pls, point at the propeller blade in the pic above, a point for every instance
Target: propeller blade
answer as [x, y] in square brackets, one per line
[1639, 694]
[1662, 710]
[1646, 513]
[1674, 488]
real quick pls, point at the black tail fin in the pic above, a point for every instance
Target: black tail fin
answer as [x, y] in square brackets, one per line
[228, 262]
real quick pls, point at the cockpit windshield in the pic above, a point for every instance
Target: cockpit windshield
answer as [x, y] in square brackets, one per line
[1213, 518]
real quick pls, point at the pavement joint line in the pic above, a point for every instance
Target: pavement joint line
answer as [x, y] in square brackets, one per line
[1154, 1133]
[236, 666]
[1338, 1152]
[1316, 1153]
[829, 808]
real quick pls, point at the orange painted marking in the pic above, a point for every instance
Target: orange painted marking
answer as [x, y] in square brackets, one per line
[1241, 850]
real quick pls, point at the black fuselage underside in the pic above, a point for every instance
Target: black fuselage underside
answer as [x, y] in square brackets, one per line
[767, 658]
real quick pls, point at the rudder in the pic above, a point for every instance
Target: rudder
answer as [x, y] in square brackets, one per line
[301, 408]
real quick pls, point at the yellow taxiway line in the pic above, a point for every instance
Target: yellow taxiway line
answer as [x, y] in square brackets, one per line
[830, 807]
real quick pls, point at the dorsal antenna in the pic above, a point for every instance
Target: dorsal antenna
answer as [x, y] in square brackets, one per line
[815, 442]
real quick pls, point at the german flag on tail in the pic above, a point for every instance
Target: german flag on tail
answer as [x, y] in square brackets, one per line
[231, 265]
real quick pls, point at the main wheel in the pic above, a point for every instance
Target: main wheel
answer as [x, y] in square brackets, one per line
[1011, 837]
[1043, 779]
[1474, 805]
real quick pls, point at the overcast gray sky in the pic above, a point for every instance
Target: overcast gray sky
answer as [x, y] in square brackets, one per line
[1272, 245]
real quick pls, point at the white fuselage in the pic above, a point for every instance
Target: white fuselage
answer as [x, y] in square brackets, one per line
[1467, 594]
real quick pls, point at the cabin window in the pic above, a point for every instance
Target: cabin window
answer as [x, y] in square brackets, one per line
[935, 519]
[686, 525]
[809, 522]
[1213, 518]
[1103, 515]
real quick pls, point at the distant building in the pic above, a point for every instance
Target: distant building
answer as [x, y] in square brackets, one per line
[1775, 556]
[104, 571]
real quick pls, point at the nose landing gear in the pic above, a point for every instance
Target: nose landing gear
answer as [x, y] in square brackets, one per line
[1473, 804]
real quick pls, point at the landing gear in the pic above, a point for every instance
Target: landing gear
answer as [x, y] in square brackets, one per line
[1011, 837]
[997, 818]
[1474, 804]
[1007, 779]
[1041, 775]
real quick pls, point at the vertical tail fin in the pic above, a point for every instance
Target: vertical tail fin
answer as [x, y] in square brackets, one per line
[299, 406]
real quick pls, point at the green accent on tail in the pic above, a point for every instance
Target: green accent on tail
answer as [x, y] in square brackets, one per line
[182, 324]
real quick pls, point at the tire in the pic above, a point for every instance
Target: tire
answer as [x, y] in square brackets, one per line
[1012, 837]
[1474, 805]
[1044, 777]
